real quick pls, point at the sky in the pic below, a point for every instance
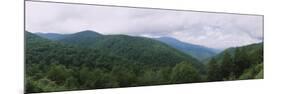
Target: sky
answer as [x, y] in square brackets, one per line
[213, 30]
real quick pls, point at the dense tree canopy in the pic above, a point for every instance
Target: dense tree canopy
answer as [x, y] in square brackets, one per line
[53, 66]
[184, 73]
[245, 63]
[122, 61]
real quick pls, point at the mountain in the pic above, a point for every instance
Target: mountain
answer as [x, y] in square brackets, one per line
[51, 36]
[245, 62]
[55, 36]
[40, 49]
[251, 50]
[83, 38]
[137, 49]
[197, 51]
[88, 60]
[84, 34]
[144, 50]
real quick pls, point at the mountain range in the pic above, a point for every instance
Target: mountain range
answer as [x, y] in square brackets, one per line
[87, 37]
[90, 60]
[137, 49]
[166, 50]
[197, 51]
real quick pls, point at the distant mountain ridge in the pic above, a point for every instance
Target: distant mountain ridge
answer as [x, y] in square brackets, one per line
[141, 49]
[83, 38]
[90, 60]
[97, 61]
[136, 48]
[51, 36]
[57, 36]
[88, 36]
[197, 51]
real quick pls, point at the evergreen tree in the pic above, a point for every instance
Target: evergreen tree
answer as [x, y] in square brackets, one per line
[227, 66]
[241, 61]
[214, 71]
[184, 72]
[58, 73]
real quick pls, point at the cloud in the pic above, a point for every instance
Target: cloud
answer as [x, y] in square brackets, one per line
[215, 30]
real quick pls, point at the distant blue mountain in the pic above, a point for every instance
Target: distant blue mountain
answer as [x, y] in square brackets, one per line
[87, 37]
[83, 34]
[51, 36]
[197, 51]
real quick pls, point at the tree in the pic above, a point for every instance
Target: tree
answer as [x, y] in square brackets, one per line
[55, 65]
[149, 77]
[227, 66]
[184, 72]
[164, 74]
[254, 72]
[47, 85]
[31, 86]
[124, 75]
[71, 83]
[259, 75]
[58, 73]
[95, 78]
[214, 71]
[241, 61]
[85, 78]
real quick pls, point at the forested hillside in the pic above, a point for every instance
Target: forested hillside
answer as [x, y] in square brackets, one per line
[140, 49]
[244, 62]
[89, 60]
[199, 52]
[104, 62]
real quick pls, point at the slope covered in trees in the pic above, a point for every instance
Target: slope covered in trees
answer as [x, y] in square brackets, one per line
[244, 62]
[89, 60]
[56, 65]
[140, 49]
[197, 51]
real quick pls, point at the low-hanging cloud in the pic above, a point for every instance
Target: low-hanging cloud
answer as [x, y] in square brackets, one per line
[215, 30]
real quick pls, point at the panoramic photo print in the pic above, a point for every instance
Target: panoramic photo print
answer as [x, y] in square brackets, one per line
[82, 47]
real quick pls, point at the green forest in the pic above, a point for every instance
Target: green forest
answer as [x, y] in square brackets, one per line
[88, 60]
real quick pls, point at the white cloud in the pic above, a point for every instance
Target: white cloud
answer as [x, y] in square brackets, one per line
[214, 30]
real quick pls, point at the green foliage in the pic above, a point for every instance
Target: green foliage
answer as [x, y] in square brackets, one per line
[259, 75]
[43, 84]
[58, 73]
[184, 73]
[199, 52]
[241, 61]
[227, 66]
[138, 49]
[71, 83]
[55, 66]
[122, 61]
[214, 71]
[254, 72]
[149, 77]
[31, 86]
[237, 63]
[125, 76]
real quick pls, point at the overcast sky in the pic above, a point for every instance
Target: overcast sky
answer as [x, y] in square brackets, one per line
[212, 30]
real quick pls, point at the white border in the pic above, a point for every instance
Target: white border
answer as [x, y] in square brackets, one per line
[11, 51]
